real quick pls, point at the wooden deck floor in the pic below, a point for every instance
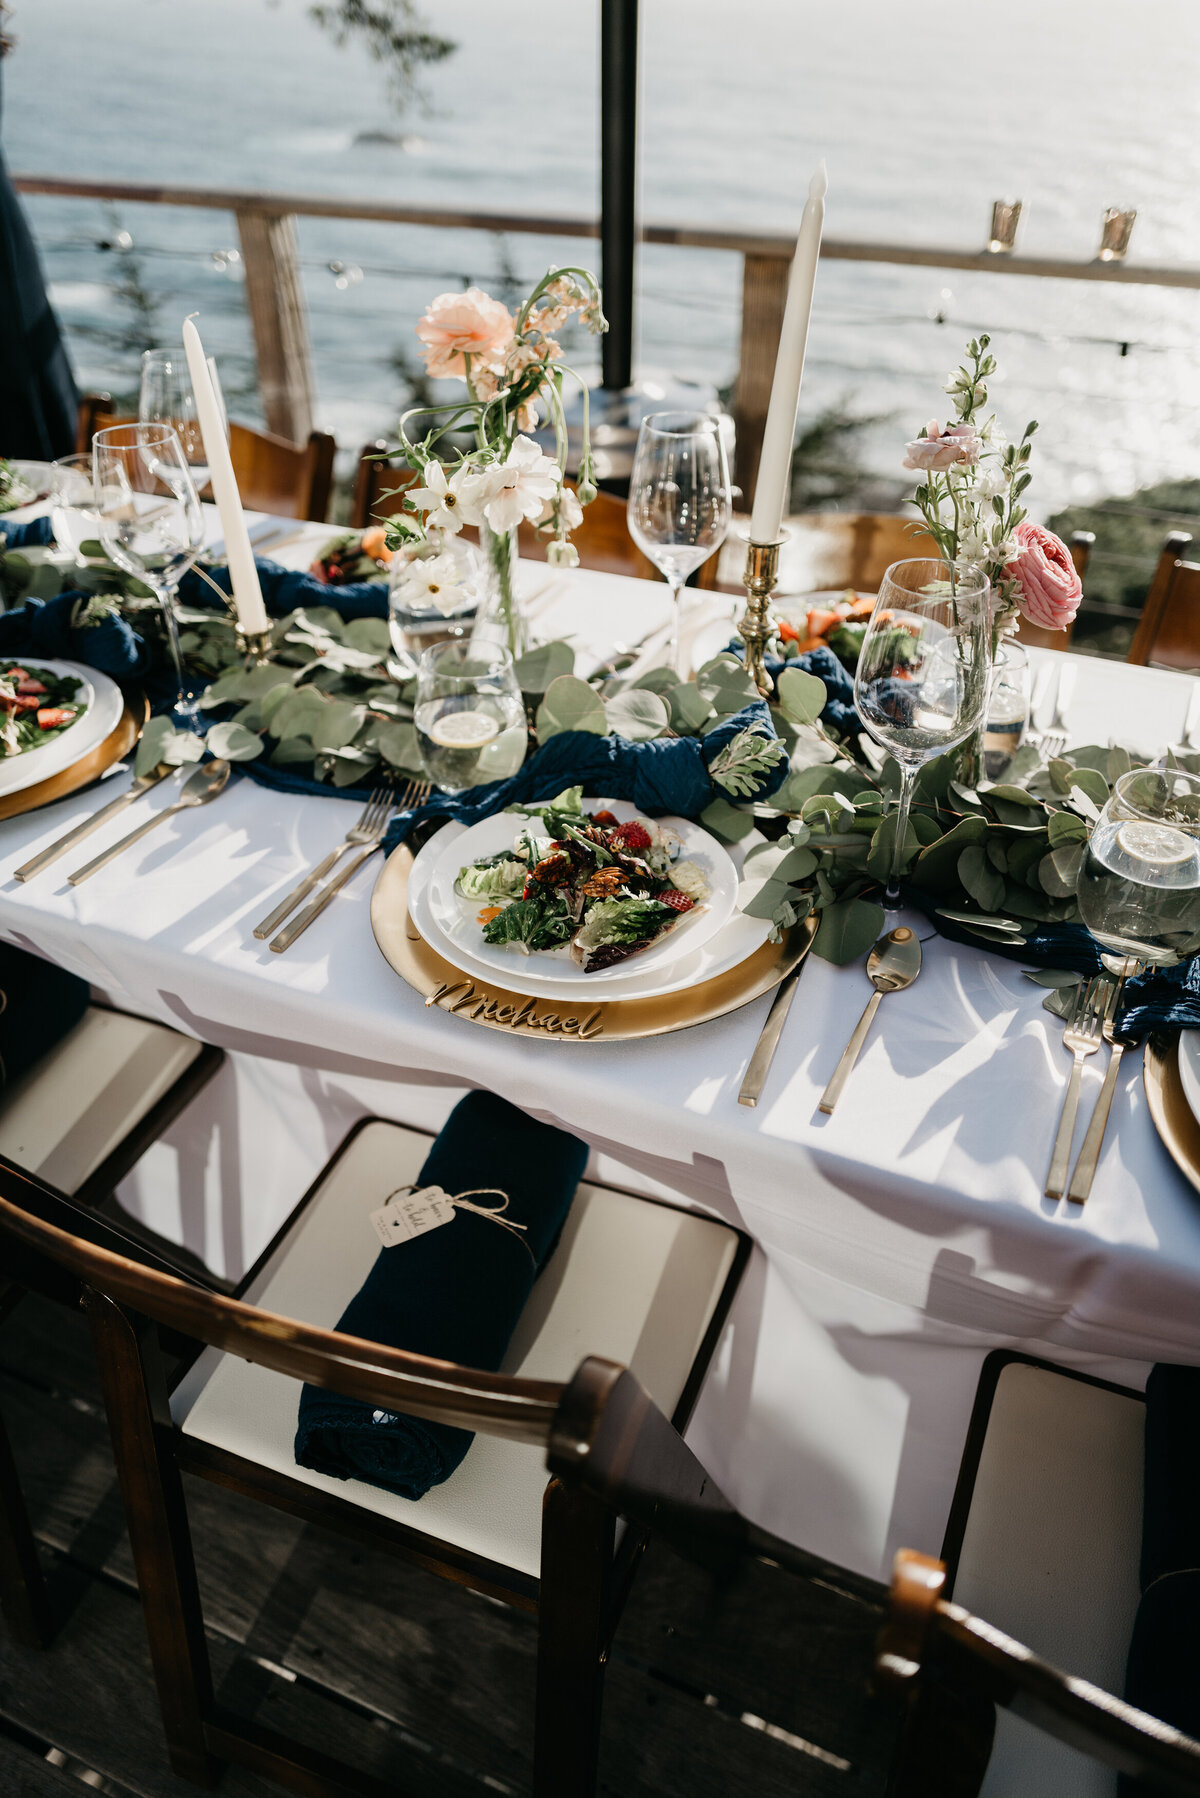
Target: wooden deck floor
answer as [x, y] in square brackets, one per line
[754, 1688]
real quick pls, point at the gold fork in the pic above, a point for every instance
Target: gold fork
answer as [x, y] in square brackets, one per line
[1093, 1142]
[367, 830]
[1082, 1037]
[414, 795]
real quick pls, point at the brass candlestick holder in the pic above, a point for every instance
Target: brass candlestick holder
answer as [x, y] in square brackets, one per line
[757, 629]
[254, 647]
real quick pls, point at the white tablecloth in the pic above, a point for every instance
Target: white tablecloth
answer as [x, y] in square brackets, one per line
[900, 1239]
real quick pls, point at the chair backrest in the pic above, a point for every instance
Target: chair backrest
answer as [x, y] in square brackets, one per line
[379, 486]
[1168, 631]
[287, 479]
[39, 1227]
[850, 549]
[928, 1646]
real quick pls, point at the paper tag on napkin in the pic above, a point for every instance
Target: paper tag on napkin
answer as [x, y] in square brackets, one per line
[410, 1214]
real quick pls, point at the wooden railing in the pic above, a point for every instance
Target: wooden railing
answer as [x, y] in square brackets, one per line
[267, 232]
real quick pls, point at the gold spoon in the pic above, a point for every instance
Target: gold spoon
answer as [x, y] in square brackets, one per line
[199, 787]
[893, 964]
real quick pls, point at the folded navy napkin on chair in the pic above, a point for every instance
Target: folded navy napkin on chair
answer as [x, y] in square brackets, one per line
[39, 1004]
[1163, 1672]
[36, 534]
[286, 589]
[455, 1293]
[667, 774]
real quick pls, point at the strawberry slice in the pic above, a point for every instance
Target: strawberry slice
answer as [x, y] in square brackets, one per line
[604, 818]
[16, 674]
[29, 685]
[675, 899]
[51, 716]
[25, 702]
[632, 836]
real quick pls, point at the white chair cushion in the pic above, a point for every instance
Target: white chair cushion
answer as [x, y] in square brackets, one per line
[1050, 1555]
[631, 1280]
[62, 1117]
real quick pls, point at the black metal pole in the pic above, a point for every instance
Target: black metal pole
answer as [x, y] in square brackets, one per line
[618, 183]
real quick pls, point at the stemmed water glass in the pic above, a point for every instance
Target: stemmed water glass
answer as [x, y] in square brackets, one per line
[150, 522]
[922, 680]
[72, 512]
[679, 501]
[166, 398]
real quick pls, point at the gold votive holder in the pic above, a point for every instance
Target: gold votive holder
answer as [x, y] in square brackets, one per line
[757, 628]
[1006, 216]
[1115, 231]
[254, 647]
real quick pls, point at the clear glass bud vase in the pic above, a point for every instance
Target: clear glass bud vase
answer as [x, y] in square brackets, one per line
[500, 619]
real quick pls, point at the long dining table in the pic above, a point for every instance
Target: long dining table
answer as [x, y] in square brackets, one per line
[898, 1241]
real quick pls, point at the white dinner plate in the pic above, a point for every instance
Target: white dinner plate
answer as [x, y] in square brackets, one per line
[104, 707]
[457, 931]
[1189, 1067]
[730, 946]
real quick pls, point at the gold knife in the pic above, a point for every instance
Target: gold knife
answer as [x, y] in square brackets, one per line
[768, 1041]
[44, 857]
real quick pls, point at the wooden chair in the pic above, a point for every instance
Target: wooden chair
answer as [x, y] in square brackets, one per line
[631, 1280]
[1168, 631]
[603, 539]
[80, 1120]
[287, 479]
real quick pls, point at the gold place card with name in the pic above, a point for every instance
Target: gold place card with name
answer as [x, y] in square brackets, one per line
[447, 988]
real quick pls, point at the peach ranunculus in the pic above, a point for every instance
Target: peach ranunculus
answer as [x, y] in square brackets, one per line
[940, 449]
[457, 325]
[1050, 587]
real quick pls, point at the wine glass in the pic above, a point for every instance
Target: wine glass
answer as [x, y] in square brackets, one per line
[469, 714]
[1139, 885]
[921, 686]
[72, 507]
[1007, 709]
[150, 522]
[679, 503]
[167, 398]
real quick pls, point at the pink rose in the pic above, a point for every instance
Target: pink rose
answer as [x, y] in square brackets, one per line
[1050, 587]
[940, 449]
[463, 324]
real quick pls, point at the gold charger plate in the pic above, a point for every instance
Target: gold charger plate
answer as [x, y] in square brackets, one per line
[617, 1020]
[119, 741]
[1173, 1117]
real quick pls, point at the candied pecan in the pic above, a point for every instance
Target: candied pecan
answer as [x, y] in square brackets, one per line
[605, 883]
[554, 870]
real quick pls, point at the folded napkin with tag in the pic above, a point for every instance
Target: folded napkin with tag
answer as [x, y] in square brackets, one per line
[1163, 1672]
[37, 533]
[455, 1293]
[665, 775]
[287, 589]
[39, 1004]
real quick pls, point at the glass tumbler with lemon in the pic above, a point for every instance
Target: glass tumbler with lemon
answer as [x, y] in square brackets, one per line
[1139, 884]
[469, 715]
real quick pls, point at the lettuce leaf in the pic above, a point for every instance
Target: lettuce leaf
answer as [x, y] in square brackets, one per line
[491, 877]
[537, 923]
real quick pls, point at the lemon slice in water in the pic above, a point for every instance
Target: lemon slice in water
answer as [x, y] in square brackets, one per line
[1156, 843]
[464, 730]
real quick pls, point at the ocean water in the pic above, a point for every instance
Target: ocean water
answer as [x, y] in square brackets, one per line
[924, 116]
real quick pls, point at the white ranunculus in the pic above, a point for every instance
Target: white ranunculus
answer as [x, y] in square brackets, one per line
[521, 485]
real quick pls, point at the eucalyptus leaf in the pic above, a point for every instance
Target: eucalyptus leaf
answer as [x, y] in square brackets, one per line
[1065, 978]
[297, 714]
[397, 744]
[1066, 827]
[289, 750]
[1017, 817]
[636, 715]
[346, 767]
[1060, 774]
[1012, 795]
[337, 724]
[570, 704]
[151, 744]
[847, 930]
[997, 854]
[538, 667]
[1059, 871]
[689, 708]
[800, 785]
[371, 635]
[1091, 782]
[657, 680]
[1060, 1001]
[233, 742]
[879, 860]
[936, 869]
[979, 878]
[802, 696]
[727, 821]
[761, 898]
[1118, 762]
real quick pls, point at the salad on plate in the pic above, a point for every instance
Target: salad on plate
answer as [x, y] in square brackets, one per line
[36, 705]
[15, 489]
[584, 884]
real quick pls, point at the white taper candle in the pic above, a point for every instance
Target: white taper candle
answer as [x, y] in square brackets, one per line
[775, 463]
[247, 594]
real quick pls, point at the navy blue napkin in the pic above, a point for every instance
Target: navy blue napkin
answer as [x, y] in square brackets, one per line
[455, 1293]
[39, 1003]
[1163, 1671]
[286, 590]
[45, 627]
[839, 712]
[37, 534]
[665, 775]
